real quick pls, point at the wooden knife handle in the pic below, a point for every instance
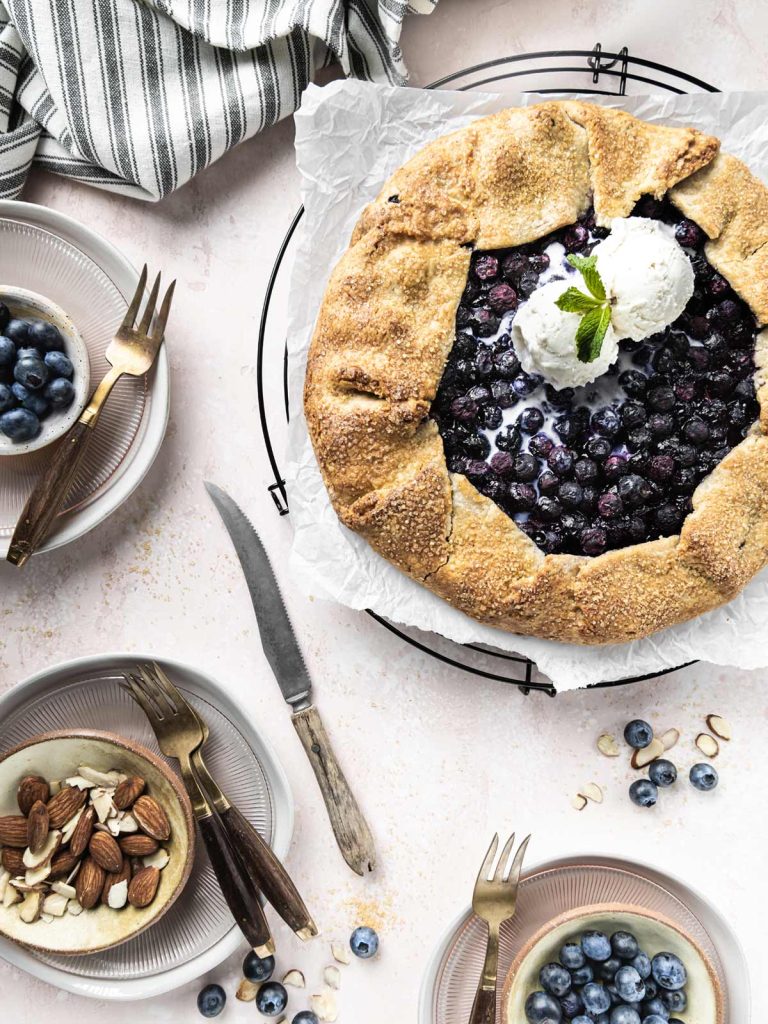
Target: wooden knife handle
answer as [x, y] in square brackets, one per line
[484, 1007]
[260, 862]
[238, 888]
[48, 496]
[349, 825]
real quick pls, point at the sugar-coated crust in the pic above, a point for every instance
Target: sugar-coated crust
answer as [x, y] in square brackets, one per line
[386, 327]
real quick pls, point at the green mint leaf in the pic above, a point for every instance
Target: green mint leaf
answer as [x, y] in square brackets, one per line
[574, 301]
[590, 333]
[587, 266]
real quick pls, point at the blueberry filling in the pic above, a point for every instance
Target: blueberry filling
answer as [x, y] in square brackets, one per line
[616, 462]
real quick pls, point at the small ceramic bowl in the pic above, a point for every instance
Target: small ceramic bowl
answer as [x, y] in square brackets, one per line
[30, 305]
[654, 932]
[56, 755]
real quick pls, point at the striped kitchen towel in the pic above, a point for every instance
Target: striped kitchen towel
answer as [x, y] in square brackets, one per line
[137, 97]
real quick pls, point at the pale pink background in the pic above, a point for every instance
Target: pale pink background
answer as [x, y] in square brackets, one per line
[439, 759]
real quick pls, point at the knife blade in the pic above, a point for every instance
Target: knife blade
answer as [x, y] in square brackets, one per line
[287, 663]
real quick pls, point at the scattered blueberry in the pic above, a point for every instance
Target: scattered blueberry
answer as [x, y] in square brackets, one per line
[257, 968]
[542, 1008]
[555, 979]
[271, 999]
[20, 425]
[662, 772]
[638, 733]
[364, 942]
[702, 776]
[306, 1017]
[211, 1000]
[668, 971]
[643, 793]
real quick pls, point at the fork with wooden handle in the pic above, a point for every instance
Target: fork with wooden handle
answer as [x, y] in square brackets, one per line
[495, 901]
[132, 351]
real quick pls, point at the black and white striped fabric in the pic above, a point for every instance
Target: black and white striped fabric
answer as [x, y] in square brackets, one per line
[137, 97]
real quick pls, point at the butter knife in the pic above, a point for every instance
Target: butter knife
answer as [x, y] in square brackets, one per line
[285, 658]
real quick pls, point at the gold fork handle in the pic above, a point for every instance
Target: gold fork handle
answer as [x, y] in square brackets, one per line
[51, 490]
[484, 1006]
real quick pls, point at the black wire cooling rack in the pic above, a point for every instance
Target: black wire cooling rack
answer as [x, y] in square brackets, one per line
[592, 71]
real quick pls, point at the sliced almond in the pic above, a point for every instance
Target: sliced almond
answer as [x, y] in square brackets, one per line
[24, 886]
[669, 738]
[108, 780]
[69, 828]
[51, 845]
[718, 725]
[158, 860]
[607, 745]
[74, 908]
[31, 908]
[54, 786]
[325, 1005]
[332, 977]
[295, 979]
[643, 757]
[102, 804]
[246, 991]
[48, 918]
[11, 896]
[5, 877]
[128, 824]
[63, 889]
[341, 953]
[578, 802]
[55, 904]
[80, 782]
[592, 792]
[34, 876]
[707, 744]
[118, 895]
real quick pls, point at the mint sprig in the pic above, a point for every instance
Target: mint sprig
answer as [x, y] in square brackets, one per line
[593, 308]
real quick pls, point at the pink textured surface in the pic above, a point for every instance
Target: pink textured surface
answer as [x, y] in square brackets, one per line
[439, 759]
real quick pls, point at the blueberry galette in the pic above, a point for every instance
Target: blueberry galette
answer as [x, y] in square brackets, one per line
[535, 383]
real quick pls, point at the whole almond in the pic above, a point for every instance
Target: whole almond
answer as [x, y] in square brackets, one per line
[89, 883]
[37, 826]
[13, 831]
[143, 887]
[105, 851]
[128, 792]
[123, 875]
[31, 789]
[11, 860]
[78, 844]
[152, 818]
[137, 845]
[63, 864]
[65, 805]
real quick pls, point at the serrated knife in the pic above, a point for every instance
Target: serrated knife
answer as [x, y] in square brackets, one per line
[287, 662]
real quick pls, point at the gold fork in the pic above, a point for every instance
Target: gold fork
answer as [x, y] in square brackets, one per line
[256, 855]
[495, 901]
[132, 351]
[178, 733]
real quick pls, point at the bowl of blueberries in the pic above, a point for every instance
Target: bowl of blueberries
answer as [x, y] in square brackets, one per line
[44, 372]
[612, 964]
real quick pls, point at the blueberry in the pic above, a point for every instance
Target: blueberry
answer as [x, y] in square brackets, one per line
[583, 1019]
[5, 316]
[19, 425]
[675, 1000]
[689, 234]
[60, 393]
[668, 971]
[306, 1017]
[661, 424]
[638, 733]
[464, 409]
[661, 398]
[525, 384]
[522, 497]
[582, 975]
[570, 494]
[585, 470]
[624, 1014]
[491, 417]
[654, 1018]
[606, 421]
[45, 336]
[596, 946]
[555, 979]
[211, 1000]
[508, 440]
[629, 984]
[624, 945]
[526, 468]
[37, 404]
[696, 431]
[531, 420]
[572, 956]
[527, 282]
[59, 365]
[258, 968]
[610, 505]
[541, 1008]
[540, 445]
[702, 776]
[575, 238]
[513, 265]
[7, 352]
[593, 540]
[506, 364]
[364, 942]
[654, 1007]
[607, 971]
[662, 772]
[633, 414]
[486, 267]
[634, 383]
[598, 448]
[596, 998]
[561, 460]
[7, 398]
[643, 793]
[31, 372]
[549, 509]
[17, 331]
[502, 298]
[615, 466]
[661, 468]
[271, 999]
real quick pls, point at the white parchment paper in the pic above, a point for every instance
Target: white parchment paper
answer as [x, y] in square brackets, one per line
[350, 137]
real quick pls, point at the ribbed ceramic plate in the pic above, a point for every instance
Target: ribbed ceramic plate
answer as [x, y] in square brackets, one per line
[198, 930]
[42, 262]
[545, 894]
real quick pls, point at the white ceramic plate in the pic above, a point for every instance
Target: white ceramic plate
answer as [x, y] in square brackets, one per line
[93, 282]
[198, 932]
[553, 888]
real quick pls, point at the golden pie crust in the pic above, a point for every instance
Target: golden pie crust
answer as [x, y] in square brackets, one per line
[387, 326]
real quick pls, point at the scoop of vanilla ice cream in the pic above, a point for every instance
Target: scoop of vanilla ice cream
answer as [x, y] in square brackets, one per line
[647, 276]
[545, 340]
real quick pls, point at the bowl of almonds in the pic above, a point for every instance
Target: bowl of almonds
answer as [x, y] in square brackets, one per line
[96, 841]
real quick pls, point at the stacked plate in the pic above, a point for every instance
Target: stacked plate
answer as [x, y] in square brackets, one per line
[46, 252]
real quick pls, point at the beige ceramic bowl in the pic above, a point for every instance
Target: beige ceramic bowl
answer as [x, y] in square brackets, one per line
[56, 755]
[31, 306]
[655, 933]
